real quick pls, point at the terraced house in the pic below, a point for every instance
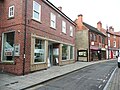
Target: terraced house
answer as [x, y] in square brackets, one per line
[113, 43]
[90, 42]
[34, 35]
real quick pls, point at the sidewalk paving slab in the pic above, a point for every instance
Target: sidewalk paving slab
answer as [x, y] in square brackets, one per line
[12, 82]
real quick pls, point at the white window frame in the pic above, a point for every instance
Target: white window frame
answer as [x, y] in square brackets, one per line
[64, 27]
[108, 42]
[3, 35]
[11, 11]
[108, 35]
[71, 31]
[37, 11]
[52, 20]
[114, 36]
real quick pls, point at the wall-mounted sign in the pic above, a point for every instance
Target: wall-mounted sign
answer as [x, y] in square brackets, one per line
[17, 50]
[8, 52]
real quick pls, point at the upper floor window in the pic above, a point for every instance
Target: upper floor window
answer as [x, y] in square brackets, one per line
[71, 31]
[11, 11]
[108, 42]
[36, 11]
[114, 43]
[108, 35]
[53, 20]
[114, 36]
[63, 26]
[100, 39]
[103, 40]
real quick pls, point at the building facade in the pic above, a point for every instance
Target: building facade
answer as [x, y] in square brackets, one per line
[113, 43]
[90, 42]
[34, 35]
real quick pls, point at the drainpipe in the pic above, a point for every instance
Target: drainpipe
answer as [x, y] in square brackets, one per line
[24, 49]
[88, 56]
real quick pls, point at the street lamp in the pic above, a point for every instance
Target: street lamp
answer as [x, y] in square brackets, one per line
[107, 41]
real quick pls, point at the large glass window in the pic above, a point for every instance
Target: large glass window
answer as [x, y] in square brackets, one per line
[39, 51]
[71, 52]
[65, 52]
[8, 46]
[53, 20]
[36, 11]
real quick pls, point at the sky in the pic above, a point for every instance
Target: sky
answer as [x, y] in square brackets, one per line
[93, 11]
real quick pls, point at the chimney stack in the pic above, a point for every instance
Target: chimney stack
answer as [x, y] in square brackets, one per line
[60, 8]
[99, 25]
[80, 18]
[79, 22]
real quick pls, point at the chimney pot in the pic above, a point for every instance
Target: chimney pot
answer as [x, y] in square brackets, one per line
[60, 8]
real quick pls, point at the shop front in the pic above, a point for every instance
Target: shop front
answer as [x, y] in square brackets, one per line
[46, 53]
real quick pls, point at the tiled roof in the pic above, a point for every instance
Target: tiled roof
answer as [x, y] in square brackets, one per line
[93, 29]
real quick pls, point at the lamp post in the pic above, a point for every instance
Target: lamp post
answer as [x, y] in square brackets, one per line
[107, 41]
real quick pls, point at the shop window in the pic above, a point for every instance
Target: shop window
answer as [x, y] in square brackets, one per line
[8, 46]
[71, 52]
[39, 51]
[82, 53]
[65, 52]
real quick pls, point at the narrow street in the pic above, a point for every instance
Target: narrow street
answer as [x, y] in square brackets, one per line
[93, 77]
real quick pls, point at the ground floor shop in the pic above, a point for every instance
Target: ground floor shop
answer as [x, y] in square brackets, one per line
[112, 53]
[41, 53]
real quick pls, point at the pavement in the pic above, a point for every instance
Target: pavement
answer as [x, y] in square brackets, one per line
[114, 81]
[12, 82]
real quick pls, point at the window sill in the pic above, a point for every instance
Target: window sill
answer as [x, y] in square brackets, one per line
[52, 28]
[7, 63]
[9, 18]
[36, 20]
[63, 33]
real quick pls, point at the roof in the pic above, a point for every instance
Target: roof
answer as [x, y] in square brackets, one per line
[93, 29]
[59, 11]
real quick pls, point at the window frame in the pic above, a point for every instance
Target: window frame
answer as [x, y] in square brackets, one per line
[114, 43]
[44, 51]
[13, 11]
[71, 31]
[35, 11]
[52, 20]
[3, 35]
[64, 27]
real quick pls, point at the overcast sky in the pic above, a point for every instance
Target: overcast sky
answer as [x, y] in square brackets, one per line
[106, 11]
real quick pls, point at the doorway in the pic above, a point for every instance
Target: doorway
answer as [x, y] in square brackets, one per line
[53, 54]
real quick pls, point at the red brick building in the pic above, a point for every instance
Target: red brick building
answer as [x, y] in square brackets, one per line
[113, 43]
[90, 42]
[34, 35]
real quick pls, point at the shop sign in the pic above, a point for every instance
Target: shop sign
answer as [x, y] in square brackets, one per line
[8, 52]
[17, 50]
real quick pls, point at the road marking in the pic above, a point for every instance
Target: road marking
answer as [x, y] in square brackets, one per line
[103, 80]
[109, 79]
[100, 86]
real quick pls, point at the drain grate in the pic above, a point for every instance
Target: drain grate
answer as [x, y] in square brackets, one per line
[11, 83]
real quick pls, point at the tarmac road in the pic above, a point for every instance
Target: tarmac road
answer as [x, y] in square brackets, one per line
[93, 77]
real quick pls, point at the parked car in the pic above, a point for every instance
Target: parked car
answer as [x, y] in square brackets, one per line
[119, 61]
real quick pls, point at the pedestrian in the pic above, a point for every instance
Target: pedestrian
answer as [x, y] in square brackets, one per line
[119, 61]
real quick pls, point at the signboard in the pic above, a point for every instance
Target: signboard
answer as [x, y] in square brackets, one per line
[17, 50]
[8, 52]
